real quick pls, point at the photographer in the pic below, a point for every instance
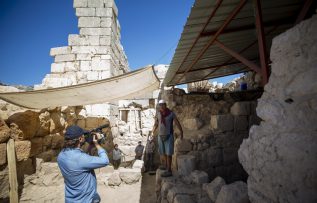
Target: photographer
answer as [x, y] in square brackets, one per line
[77, 167]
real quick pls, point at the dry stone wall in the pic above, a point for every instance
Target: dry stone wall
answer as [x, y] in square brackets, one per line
[280, 155]
[214, 126]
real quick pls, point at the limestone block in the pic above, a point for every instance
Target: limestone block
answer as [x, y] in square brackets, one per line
[71, 66]
[214, 187]
[36, 146]
[93, 122]
[57, 141]
[64, 57]
[85, 12]
[192, 123]
[183, 199]
[106, 22]
[28, 122]
[240, 109]
[104, 75]
[80, 57]
[80, 3]
[88, 22]
[241, 123]
[4, 183]
[60, 50]
[47, 155]
[98, 64]
[95, 31]
[96, 3]
[92, 75]
[234, 192]
[105, 40]
[138, 164]
[130, 176]
[23, 150]
[186, 164]
[114, 179]
[199, 177]
[58, 67]
[4, 131]
[221, 123]
[3, 153]
[85, 65]
[183, 145]
[181, 189]
[104, 12]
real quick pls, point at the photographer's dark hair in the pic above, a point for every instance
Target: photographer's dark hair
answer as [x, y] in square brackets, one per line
[71, 143]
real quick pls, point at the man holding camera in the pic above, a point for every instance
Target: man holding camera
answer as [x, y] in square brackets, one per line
[164, 122]
[77, 167]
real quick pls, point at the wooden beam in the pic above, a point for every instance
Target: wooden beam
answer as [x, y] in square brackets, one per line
[202, 30]
[213, 39]
[261, 41]
[239, 57]
[241, 51]
[13, 181]
[303, 12]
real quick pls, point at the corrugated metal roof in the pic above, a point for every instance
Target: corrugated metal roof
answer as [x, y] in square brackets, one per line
[239, 34]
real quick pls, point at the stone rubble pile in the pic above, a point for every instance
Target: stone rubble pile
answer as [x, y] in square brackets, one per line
[196, 188]
[280, 154]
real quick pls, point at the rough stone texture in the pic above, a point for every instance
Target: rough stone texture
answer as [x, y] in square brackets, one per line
[240, 109]
[183, 145]
[28, 122]
[114, 179]
[130, 176]
[214, 188]
[186, 164]
[183, 199]
[22, 150]
[221, 123]
[4, 186]
[280, 154]
[199, 177]
[36, 146]
[235, 192]
[4, 131]
[193, 123]
[138, 164]
[3, 153]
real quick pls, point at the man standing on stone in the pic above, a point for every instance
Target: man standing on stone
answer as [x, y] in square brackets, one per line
[149, 151]
[164, 122]
[77, 167]
[139, 151]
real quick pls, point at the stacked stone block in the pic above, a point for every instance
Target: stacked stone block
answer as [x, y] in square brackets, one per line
[95, 53]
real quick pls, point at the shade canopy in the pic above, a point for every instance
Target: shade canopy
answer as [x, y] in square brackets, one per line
[137, 84]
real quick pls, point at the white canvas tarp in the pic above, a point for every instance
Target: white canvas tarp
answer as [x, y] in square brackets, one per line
[133, 85]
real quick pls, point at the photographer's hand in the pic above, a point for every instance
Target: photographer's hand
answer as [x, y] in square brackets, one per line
[95, 141]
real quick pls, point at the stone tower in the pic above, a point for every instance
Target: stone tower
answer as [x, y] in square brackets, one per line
[94, 54]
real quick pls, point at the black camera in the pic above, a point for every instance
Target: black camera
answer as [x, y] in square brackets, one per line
[89, 136]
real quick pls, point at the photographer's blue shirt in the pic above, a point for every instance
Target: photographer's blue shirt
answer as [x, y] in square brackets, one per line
[77, 168]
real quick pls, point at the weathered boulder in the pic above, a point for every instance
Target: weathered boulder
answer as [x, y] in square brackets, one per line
[199, 177]
[114, 179]
[221, 123]
[22, 150]
[3, 153]
[192, 123]
[28, 122]
[234, 192]
[214, 187]
[181, 189]
[106, 170]
[4, 131]
[47, 142]
[240, 109]
[186, 164]
[49, 155]
[130, 176]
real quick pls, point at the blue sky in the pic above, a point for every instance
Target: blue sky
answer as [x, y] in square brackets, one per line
[29, 28]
